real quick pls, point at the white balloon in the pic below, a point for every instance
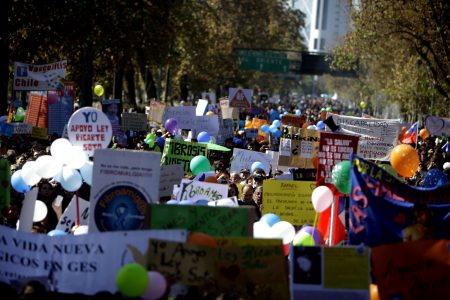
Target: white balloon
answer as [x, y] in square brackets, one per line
[71, 179]
[283, 230]
[47, 166]
[86, 172]
[40, 211]
[77, 157]
[60, 149]
[321, 198]
[82, 229]
[262, 230]
[28, 173]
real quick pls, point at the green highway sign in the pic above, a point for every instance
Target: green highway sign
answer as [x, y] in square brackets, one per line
[263, 60]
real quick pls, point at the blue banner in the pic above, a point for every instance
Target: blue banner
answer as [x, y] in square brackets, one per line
[384, 210]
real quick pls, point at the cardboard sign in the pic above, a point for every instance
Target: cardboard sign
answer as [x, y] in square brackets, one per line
[333, 148]
[377, 136]
[415, 270]
[124, 183]
[181, 152]
[184, 115]
[293, 120]
[90, 129]
[37, 111]
[69, 217]
[290, 200]
[84, 264]
[298, 147]
[170, 175]
[243, 159]
[200, 190]
[47, 77]
[215, 221]
[437, 126]
[241, 98]
[134, 121]
[155, 111]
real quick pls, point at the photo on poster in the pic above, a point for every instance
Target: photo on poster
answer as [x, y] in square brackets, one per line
[307, 265]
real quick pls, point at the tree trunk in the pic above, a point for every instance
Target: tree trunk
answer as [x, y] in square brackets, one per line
[4, 56]
[118, 84]
[131, 86]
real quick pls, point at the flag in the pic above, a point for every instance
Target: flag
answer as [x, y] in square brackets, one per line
[410, 136]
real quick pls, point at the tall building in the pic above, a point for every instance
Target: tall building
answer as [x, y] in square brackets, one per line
[326, 23]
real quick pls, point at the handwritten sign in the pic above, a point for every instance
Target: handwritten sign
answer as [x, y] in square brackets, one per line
[90, 129]
[215, 221]
[181, 152]
[68, 218]
[210, 124]
[437, 126]
[170, 175]
[290, 200]
[333, 148]
[155, 111]
[298, 147]
[184, 115]
[199, 190]
[134, 121]
[243, 159]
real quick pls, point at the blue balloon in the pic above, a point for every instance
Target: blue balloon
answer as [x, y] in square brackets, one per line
[320, 125]
[312, 127]
[160, 141]
[203, 137]
[172, 202]
[277, 123]
[57, 232]
[18, 184]
[277, 133]
[270, 218]
[273, 128]
[265, 128]
[241, 124]
[298, 112]
[202, 202]
[256, 165]
[435, 178]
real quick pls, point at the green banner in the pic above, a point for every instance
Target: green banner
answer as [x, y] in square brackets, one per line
[5, 181]
[181, 152]
[215, 221]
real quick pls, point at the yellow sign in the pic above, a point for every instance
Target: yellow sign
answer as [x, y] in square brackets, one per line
[290, 200]
[39, 133]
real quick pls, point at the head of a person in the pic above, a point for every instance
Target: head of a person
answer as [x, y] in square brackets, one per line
[112, 109]
[233, 190]
[244, 174]
[247, 193]
[421, 213]
[234, 177]
[258, 195]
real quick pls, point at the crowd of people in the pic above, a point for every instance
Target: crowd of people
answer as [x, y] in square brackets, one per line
[246, 185]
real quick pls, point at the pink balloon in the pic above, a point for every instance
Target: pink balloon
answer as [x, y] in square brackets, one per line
[157, 286]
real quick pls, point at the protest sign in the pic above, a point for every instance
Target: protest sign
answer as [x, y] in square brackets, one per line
[414, 270]
[251, 133]
[31, 77]
[290, 200]
[123, 184]
[243, 159]
[201, 107]
[170, 175]
[230, 113]
[437, 126]
[184, 115]
[199, 190]
[37, 111]
[210, 124]
[293, 120]
[298, 147]
[39, 133]
[215, 221]
[333, 148]
[330, 272]
[181, 152]
[60, 108]
[90, 129]
[134, 121]
[84, 264]
[22, 128]
[155, 111]
[69, 216]
[225, 131]
[239, 97]
[384, 210]
[27, 210]
[210, 96]
[377, 136]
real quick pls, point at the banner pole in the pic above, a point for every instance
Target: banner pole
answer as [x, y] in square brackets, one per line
[332, 219]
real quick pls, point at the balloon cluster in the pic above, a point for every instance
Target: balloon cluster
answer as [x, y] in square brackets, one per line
[273, 129]
[271, 226]
[133, 280]
[67, 164]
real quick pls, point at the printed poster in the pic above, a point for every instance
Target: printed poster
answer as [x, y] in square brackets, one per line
[181, 152]
[60, 108]
[37, 111]
[290, 200]
[384, 210]
[47, 77]
[241, 98]
[124, 183]
[298, 147]
[170, 175]
[377, 136]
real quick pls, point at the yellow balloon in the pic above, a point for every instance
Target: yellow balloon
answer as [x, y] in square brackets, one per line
[362, 104]
[98, 90]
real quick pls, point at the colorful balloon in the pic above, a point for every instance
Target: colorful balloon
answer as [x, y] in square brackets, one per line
[265, 128]
[57, 232]
[256, 165]
[270, 218]
[132, 280]
[435, 178]
[276, 133]
[405, 160]
[321, 198]
[362, 104]
[203, 137]
[98, 90]
[18, 183]
[157, 286]
[283, 230]
[171, 125]
[199, 164]
[340, 176]
[424, 134]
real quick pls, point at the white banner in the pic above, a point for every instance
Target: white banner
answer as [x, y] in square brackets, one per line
[245, 158]
[78, 264]
[199, 190]
[29, 77]
[184, 115]
[377, 136]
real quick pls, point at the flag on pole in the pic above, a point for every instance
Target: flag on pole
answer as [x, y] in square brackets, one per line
[410, 136]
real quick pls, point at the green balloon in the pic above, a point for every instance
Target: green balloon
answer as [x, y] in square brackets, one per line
[150, 136]
[340, 176]
[303, 239]
[199, 164]
[329, 109]
[132, 280]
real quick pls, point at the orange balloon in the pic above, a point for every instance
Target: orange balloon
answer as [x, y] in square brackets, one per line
[211, 179]
[210, 113]
[405, 160]
[424, 134]
[248, 124]
[202, 239]
[305, 125]
[374, 292]
[404, 129]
